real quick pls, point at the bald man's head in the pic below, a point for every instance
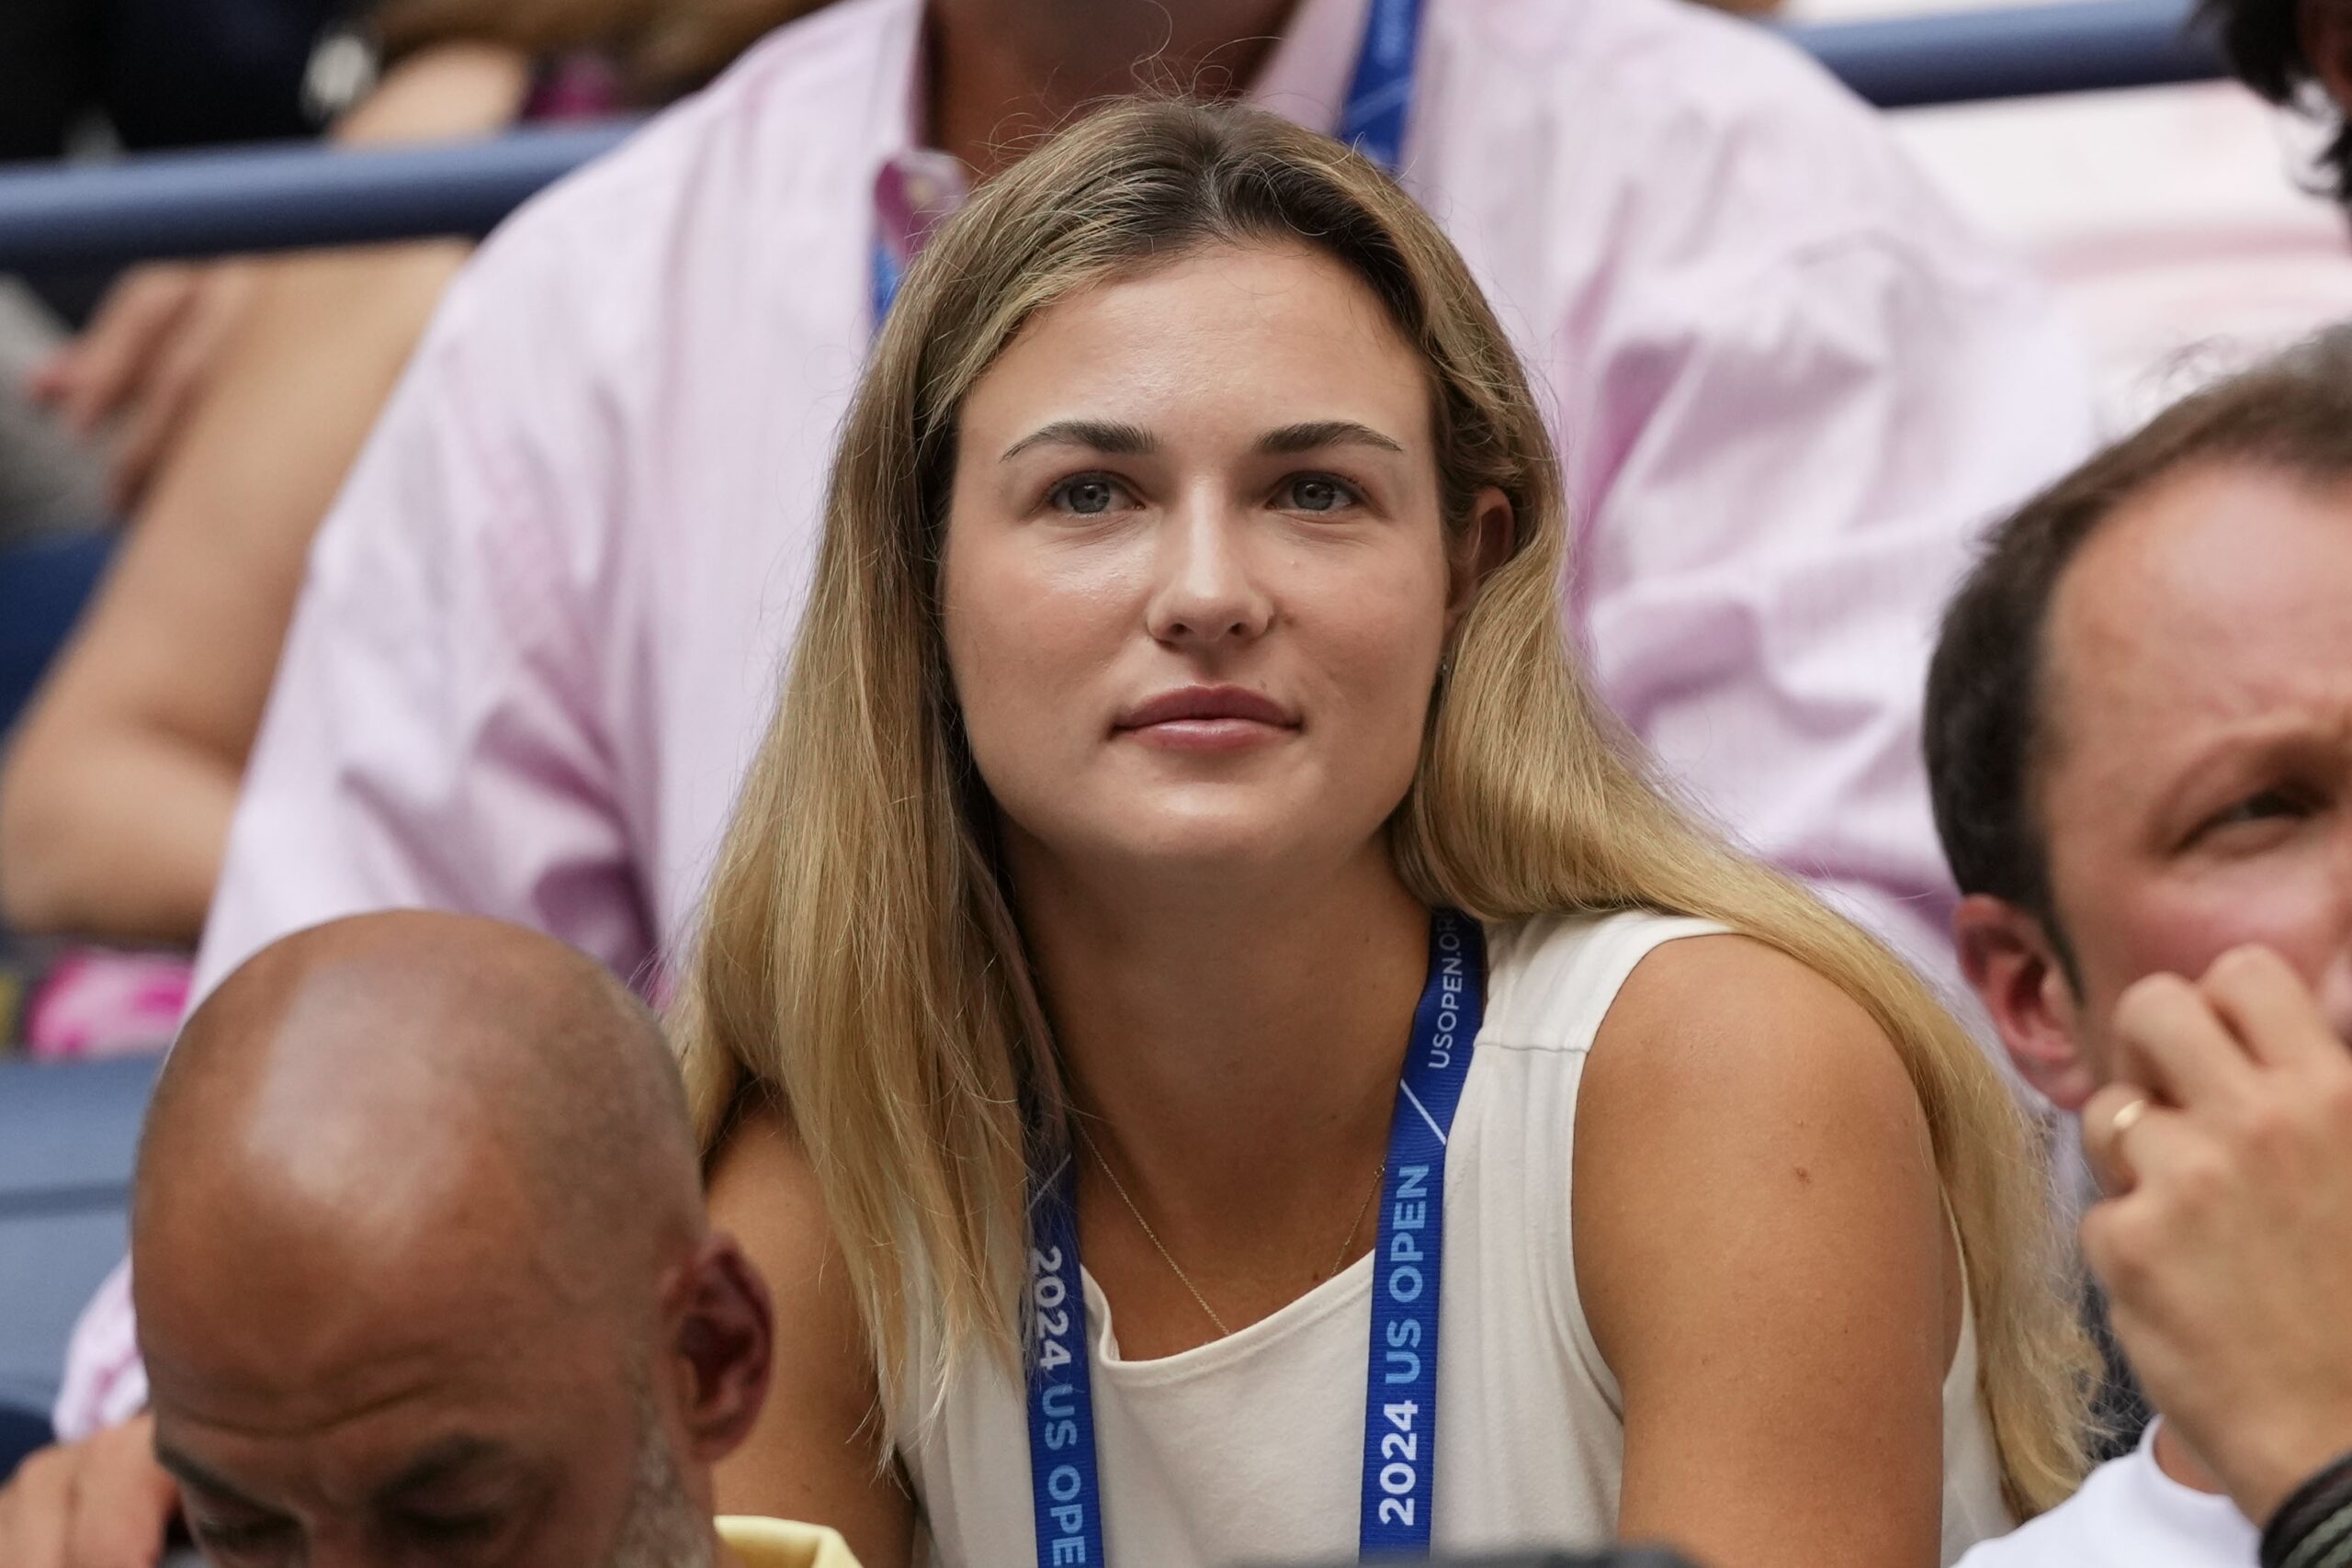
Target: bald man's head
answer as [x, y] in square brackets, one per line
[400, 1071]
[419, 1190]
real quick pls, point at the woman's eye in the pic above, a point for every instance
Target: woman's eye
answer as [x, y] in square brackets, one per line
[1088, 495]
[1317, 492]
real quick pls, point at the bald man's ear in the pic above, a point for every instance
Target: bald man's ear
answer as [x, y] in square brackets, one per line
[2014, 969]
[2324, 30]
[725, 1337]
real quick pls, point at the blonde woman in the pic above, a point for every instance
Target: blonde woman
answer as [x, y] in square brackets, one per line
[1180, 707]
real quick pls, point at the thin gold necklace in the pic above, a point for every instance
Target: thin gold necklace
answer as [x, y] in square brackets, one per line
[1346, 1243]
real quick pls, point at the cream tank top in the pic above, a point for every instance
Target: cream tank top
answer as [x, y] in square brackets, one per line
[1249, 1449]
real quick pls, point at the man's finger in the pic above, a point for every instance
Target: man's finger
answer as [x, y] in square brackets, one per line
[155, 421]
[2266, 1004]
[123, 1501]
[46, 382]
[2170, 1040]
[33, 1513]
[2111, 1120]
[112, 355]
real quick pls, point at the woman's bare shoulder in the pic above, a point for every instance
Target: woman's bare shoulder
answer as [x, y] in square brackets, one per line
[1759, 1249]
[1731, 1022]
[814, 1453]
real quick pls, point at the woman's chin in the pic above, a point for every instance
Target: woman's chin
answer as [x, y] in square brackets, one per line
[1223, 852]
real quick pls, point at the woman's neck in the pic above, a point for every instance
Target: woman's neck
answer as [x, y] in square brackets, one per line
[1006, 71]
[1233, 1050]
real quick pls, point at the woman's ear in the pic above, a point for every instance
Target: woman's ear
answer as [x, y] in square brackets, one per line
[2014, 972]
[725, 1336]
[1485, 544]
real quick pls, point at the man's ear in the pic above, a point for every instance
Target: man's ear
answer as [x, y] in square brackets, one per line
[2324, 30]
[2013, 966]
[724, 1336]
[1486, 544]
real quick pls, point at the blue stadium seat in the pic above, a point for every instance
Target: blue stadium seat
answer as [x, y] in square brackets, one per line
[68, 1135]
[43, 585]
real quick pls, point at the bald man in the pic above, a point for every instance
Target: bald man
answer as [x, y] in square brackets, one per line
[424, 1275]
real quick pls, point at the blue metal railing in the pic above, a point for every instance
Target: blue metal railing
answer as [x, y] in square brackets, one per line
[2014, 51]
[277, 198]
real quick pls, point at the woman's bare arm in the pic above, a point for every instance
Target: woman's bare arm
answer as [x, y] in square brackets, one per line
[815, 1455]
[115, 803]
[1762, 1254]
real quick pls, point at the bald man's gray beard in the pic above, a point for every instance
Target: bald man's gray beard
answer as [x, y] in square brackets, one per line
[663, 1528]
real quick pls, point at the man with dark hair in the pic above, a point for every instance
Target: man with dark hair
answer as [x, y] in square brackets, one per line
[2139, 739]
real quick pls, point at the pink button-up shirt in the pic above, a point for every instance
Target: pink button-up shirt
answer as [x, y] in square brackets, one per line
[542, 628]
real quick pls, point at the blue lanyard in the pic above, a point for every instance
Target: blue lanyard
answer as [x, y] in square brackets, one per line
[1382, 94]
[1373, 120]
[1401, 1375]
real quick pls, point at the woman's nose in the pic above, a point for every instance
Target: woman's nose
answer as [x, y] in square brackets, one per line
[1208, 589]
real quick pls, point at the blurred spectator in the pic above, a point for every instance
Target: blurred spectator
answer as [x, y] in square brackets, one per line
[48, 481]
[115, 799]
[118, 788]
[161, 72]
[2176, 224]
[654, 356]
[655, 51]
[2297, 54]
[120, 390]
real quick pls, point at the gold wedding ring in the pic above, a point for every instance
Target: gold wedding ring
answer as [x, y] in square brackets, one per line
[2109, 1163]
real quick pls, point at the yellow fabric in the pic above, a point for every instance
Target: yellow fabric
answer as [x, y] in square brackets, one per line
[780, 1543]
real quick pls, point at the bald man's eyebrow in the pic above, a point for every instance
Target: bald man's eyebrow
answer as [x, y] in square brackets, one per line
[189, 1474]
[1292, 439]
[1111, 437]
[440, 1462]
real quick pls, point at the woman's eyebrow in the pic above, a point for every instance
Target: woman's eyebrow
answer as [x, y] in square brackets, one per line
[1292, 439]
[1096, 434]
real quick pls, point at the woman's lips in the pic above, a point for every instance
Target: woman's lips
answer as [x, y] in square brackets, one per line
[1206, 718]
[1207, 734]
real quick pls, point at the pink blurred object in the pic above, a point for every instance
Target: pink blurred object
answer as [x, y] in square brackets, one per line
[97, 1003]
[580, 85]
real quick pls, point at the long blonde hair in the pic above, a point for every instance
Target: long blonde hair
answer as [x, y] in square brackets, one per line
[858, 958]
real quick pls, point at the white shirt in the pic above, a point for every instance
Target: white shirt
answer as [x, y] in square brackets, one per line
[1250, 1449]
[2130, 1514]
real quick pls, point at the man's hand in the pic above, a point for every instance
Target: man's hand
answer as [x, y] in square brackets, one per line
[142, 360]
[2227, 1248]
[102, 1503]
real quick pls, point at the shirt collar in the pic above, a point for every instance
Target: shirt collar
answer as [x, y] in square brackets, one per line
[1305, 79]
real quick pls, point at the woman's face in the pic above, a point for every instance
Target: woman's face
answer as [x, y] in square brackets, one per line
[1196, 584]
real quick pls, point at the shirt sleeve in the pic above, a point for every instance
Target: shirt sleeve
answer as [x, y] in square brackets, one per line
[1778, 494]
[435, 735]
